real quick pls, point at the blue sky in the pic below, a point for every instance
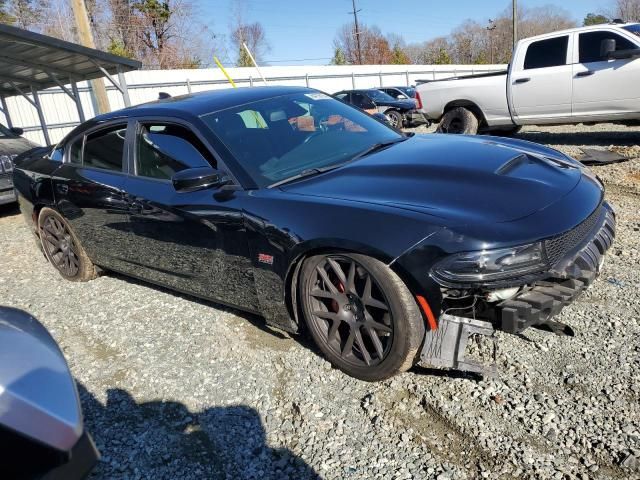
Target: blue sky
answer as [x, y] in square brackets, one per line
[303, 29]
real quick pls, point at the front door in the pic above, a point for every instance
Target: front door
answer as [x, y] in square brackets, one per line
[541, 82]
[188, 241]
[88, 190]
[604, 87]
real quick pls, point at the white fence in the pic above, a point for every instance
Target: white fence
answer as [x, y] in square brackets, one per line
[61, 114]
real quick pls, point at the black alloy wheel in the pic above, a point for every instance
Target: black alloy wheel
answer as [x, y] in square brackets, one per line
[59, 246]
[62, 248]
[361, 315]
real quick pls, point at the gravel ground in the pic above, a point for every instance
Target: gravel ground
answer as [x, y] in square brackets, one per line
[174, 387]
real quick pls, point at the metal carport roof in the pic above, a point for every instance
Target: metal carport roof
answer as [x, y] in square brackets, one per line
[30, 62]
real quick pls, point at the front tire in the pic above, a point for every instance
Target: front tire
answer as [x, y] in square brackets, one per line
[394, 118]
[63, 249]
[361, 315]
[459, 120]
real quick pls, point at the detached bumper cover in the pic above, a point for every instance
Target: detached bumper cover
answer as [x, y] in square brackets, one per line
[414, 117]
[580, 254]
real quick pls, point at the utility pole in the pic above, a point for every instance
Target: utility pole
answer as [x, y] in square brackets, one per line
[515, 23]
[355, 21]
[492, 26]
[86, 39]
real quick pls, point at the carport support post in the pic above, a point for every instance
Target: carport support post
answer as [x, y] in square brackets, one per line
[5, 110]
[123, 87]
[407, 76]
[76, 98]
[43, 122]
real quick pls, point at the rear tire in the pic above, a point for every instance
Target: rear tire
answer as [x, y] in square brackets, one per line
[63, 249]
[459, 120]
[361, 315]
[394, 118]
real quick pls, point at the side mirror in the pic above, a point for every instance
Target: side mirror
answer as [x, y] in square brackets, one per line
[401, 97]
[607, 47]
[16, 131]
[193, 179]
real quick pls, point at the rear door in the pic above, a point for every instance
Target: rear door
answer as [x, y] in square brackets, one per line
[604, 87]
[88, 191]
[194, 242]
[541, 81]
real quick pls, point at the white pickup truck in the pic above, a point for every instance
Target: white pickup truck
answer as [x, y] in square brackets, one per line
[589, 74]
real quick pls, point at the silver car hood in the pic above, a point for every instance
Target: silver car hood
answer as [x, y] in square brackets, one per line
[38, 396]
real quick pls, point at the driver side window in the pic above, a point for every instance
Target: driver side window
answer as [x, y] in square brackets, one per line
[162, 149]
[590, 45]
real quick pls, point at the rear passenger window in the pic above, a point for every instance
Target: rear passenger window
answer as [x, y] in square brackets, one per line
[164, 149]
[105, 148]
[590, 45]
[547, 53]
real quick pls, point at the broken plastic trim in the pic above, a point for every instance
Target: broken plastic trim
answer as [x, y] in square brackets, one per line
[445, 347]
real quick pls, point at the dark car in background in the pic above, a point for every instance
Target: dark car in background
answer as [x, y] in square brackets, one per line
[11, 145]
[400, 93]
[285, 202]
[399, 113]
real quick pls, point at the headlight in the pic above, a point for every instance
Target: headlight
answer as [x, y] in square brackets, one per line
[490, 265]
[6, 162]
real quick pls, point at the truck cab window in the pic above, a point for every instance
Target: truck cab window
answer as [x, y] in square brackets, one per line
[590, 45]
[547, 53]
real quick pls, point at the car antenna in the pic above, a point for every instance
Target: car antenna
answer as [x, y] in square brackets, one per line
[163, 95]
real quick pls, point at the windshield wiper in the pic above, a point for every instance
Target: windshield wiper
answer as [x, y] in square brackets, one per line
[376, 147]
[309, 172]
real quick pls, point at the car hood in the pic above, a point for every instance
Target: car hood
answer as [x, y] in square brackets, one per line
[15, 146]
[462, 179]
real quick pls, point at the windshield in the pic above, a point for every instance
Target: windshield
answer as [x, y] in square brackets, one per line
[277, 138]
[378, 96]
[408, 91]
[635, 29]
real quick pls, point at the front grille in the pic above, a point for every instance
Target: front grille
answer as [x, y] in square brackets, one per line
[558, 246]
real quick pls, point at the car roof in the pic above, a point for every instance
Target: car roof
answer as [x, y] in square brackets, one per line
[600, 26]
[196, 104]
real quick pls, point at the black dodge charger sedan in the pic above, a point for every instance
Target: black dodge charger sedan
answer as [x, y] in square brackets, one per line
[389, 249]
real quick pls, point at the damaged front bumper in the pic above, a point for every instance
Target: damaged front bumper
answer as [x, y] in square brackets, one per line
[570, 276]
[577, 257]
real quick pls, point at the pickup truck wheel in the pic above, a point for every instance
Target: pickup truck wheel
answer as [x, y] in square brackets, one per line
[394, 118]
[459, 120]
[361, 315]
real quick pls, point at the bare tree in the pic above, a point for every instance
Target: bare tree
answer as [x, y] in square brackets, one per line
[254, 37]
[374, 45]
[25, 13]
[627, 10]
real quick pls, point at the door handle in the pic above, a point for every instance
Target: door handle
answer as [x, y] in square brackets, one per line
[588, 73]
[522, 80]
